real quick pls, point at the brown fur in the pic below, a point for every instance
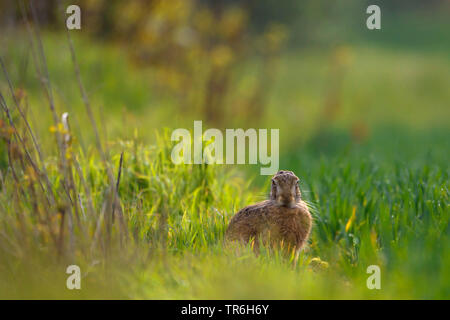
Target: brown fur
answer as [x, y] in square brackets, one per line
[282, 220]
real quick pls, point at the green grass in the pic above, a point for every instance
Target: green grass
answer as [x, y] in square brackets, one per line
[394, 178]
[401, 224]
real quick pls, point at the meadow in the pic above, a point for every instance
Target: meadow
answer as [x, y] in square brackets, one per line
[365, 128]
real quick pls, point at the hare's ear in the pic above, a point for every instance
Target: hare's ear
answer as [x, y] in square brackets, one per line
[274, 182]
[273, 190]
[299, 193]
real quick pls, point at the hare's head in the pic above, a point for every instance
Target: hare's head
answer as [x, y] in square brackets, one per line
[285, 190]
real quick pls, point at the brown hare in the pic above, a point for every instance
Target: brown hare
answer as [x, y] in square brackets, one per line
[282, 220]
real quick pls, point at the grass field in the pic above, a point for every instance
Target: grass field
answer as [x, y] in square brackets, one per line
[375, 174]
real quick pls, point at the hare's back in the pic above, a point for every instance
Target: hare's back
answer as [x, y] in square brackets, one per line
[247, 222]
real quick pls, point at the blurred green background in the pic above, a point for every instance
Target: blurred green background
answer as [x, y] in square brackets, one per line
[364, 121]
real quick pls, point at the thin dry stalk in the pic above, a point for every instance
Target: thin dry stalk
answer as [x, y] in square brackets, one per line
[113, 189]
[38, 172]
[22, 114]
